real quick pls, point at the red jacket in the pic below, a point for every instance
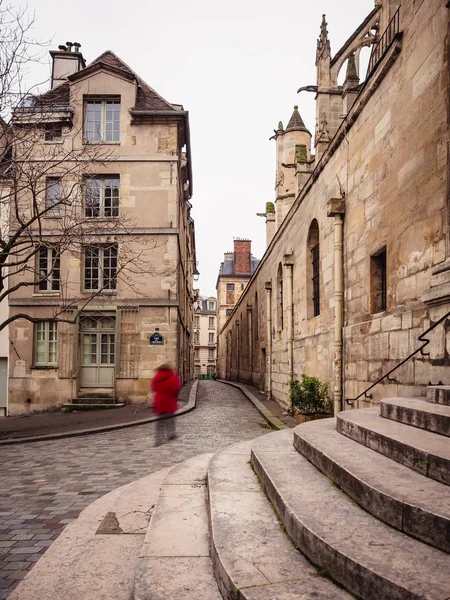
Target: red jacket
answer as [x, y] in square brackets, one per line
[165, 385]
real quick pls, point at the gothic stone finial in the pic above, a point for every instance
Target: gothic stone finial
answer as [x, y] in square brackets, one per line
[323, 43]
[352, 73]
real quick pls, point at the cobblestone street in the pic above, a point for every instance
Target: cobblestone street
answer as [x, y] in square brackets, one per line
[45, 485]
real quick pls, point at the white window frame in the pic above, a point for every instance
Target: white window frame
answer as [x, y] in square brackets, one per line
[53, 189]
[98, 127]
[48, 267]
[102, 283]
[101, 208]
[212, 306]
[46, 344]
[196, 321]
[211, 323]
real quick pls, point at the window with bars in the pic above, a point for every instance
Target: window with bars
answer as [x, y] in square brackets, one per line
[315, 258]
[102, 121]
[46, 343]
[102, 196]
[230, 287]
[49, 269]
[378, 281]
[100, 267]
[52, 196]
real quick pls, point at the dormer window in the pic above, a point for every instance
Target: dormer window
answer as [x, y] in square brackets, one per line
[102, 121]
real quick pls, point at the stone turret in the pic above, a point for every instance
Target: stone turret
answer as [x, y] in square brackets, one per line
[293, 153]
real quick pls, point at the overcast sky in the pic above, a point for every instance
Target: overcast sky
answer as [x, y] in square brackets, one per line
[236, 68]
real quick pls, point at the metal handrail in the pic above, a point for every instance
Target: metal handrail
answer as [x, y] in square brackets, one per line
[380, 48]
[421, 338]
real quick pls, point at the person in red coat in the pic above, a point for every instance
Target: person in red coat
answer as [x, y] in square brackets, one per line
[166, 387]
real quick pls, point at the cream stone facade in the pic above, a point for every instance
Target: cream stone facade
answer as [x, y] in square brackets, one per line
[359, 264]
[126, 297]
[205, 336]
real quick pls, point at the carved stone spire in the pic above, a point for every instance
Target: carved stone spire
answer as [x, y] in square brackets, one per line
[323, 43]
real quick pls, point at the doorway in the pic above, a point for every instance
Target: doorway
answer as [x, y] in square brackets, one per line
[97, 351]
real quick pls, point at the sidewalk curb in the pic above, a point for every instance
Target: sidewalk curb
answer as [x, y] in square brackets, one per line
[274, 421]
[191, 404]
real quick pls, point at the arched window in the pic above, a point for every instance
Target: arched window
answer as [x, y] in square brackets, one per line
[313, 270]
[280, 323]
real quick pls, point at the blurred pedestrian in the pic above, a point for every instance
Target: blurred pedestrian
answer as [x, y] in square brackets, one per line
[166, 386]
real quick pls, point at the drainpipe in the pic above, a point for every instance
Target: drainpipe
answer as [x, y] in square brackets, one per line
[268, 288]
[289, 264]
[336, 209]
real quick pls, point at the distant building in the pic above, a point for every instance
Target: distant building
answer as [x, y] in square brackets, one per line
[205, 336]
[234, 274]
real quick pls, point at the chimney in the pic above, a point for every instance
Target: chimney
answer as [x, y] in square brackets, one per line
[66, 62]
[242, 257]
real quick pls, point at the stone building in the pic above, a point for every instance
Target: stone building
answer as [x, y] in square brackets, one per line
[358, 261]
[205, 336]
[107, 291]
[234, 274]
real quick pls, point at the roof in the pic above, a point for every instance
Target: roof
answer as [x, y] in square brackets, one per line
[146, 97]
[59, 96]
[227, 267]
[296, 122]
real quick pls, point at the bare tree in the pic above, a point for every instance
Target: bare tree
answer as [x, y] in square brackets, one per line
[51, 206]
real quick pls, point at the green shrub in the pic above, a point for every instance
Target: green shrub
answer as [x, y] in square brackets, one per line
[309, 396]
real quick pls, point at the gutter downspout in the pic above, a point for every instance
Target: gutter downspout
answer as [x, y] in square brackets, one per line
[268, 288]
[336, 209]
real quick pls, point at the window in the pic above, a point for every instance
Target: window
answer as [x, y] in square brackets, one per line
[280, 307]
[48, 269]
[102, 197]
[196, 337]
[211, 323]
[196, 355]
[196, 321]
[210, 338]
[100, 267]
[378, 281]
[211, 354]
[230, 287]
[53, 132]
[315, 257]
[53, 196]
[210, 369]
[228, 312]
[211, 306]
[313, 270]
[102, 122]
[242, 286]
[45, 344]
[197, 370]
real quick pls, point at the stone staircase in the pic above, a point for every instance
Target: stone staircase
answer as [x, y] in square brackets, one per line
[355, 506]
[358, 505]
[95, 399]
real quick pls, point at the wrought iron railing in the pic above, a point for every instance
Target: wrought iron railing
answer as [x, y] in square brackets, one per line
[425, 341]
[382, 46]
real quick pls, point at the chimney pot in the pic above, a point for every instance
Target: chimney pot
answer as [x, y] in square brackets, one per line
[62, 48]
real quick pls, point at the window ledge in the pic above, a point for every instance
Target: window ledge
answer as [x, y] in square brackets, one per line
[46, 293]
[45, 367]
[86, 143]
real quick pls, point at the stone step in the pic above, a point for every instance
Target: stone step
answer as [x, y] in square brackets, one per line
[425, 452]
[408, 501]
[175, 559]
[94, 400]
[439, 394]
[96, 555]
[417, 413]
[89, 406]
[253, 558]
[369, 558]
